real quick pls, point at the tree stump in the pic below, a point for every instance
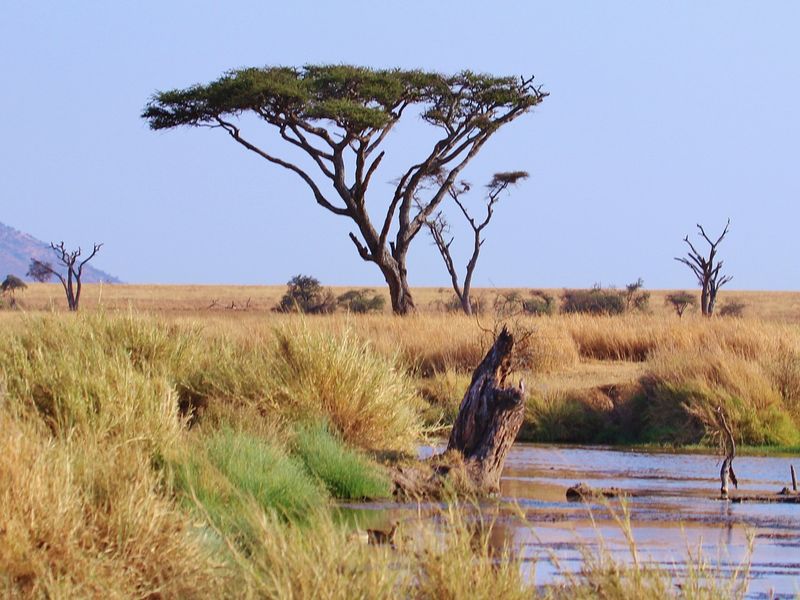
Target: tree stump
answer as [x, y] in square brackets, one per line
[487, 424]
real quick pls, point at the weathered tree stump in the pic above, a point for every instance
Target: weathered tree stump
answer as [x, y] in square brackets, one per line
[487, 424]
[489, 417]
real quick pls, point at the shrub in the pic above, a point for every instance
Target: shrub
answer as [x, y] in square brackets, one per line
[635, 297]
[305, 294]
[732, 308]
[539, 304]
[359, 301]
[506, 305]
[680, 301]
[595, 301]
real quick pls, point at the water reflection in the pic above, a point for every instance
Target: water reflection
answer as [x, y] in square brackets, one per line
[674, 514]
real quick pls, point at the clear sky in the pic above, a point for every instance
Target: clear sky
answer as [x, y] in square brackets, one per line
[661, 115]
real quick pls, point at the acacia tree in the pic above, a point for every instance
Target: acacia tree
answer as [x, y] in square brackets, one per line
[339, 116]
[708, 270]
[74, 270]
[305, 294]
[680, 301]
[39, 270]
[439, 228]
[11, 284]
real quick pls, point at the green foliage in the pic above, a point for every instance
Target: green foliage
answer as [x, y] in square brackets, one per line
[305, 294]
[566, 417]
[540, 303]
[11, 284]
[234, 478]
[732, 308]
[360, 301]
[346, 474]
[635, 296]
[355, 98]
[40, 270]
[680, 301]
[595, 301]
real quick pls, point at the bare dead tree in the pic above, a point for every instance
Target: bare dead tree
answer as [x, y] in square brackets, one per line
[708, 270]
[439, 227]
[74, 270]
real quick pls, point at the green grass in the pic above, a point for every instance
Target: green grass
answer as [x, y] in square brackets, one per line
[263, 472]
[346, 474]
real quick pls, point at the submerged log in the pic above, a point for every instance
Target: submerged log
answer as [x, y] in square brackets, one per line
[487, 424]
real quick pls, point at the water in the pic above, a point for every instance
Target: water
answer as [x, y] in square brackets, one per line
[674, 513]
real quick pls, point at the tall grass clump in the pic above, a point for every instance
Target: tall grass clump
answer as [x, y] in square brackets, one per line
[363, 396]
[697, 381]
[345, 474]
[83, 518]
[85, 374]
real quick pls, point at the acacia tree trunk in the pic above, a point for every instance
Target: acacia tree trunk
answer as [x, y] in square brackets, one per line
[396, 278]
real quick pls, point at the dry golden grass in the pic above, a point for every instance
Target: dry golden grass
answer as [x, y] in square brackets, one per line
[765, 305]
[90, 432]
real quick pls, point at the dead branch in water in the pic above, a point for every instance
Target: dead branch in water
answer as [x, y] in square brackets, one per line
[728, 448]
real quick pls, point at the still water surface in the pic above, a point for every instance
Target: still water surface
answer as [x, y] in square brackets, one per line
[675, 515]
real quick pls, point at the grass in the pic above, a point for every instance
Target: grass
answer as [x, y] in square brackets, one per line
[346, 474]
[108, 488]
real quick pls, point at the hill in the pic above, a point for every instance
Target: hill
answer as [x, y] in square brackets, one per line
[17, 249]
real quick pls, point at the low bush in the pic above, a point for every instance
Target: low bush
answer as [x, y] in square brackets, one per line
[681, 301]
[361, 302]
[595, 301]
[305, 294]
[539, 304]
[732, 308]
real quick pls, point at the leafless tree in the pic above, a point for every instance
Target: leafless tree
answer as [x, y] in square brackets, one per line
[440, 228]
[74, 269]
[708, 270]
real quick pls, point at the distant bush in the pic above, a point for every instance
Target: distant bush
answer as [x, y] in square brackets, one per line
[539, 304]
[359, 301]
[453, 304]
[11, 284]
[595, 301]
[636, 298]
[305, 294]
[506, 305]
[732, 308]
[680, 301]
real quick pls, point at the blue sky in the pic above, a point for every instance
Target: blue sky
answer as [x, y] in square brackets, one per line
[661, 115]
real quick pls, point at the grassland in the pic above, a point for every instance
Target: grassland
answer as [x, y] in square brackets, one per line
[152, 447]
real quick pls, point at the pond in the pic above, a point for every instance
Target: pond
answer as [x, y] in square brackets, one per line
[673, 514]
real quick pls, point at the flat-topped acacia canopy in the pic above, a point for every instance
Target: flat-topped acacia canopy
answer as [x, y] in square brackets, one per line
[329, 111]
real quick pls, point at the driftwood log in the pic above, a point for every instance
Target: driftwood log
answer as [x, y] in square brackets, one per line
[487, 424]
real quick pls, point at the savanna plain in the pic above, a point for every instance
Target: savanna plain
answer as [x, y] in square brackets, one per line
[188, 441]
